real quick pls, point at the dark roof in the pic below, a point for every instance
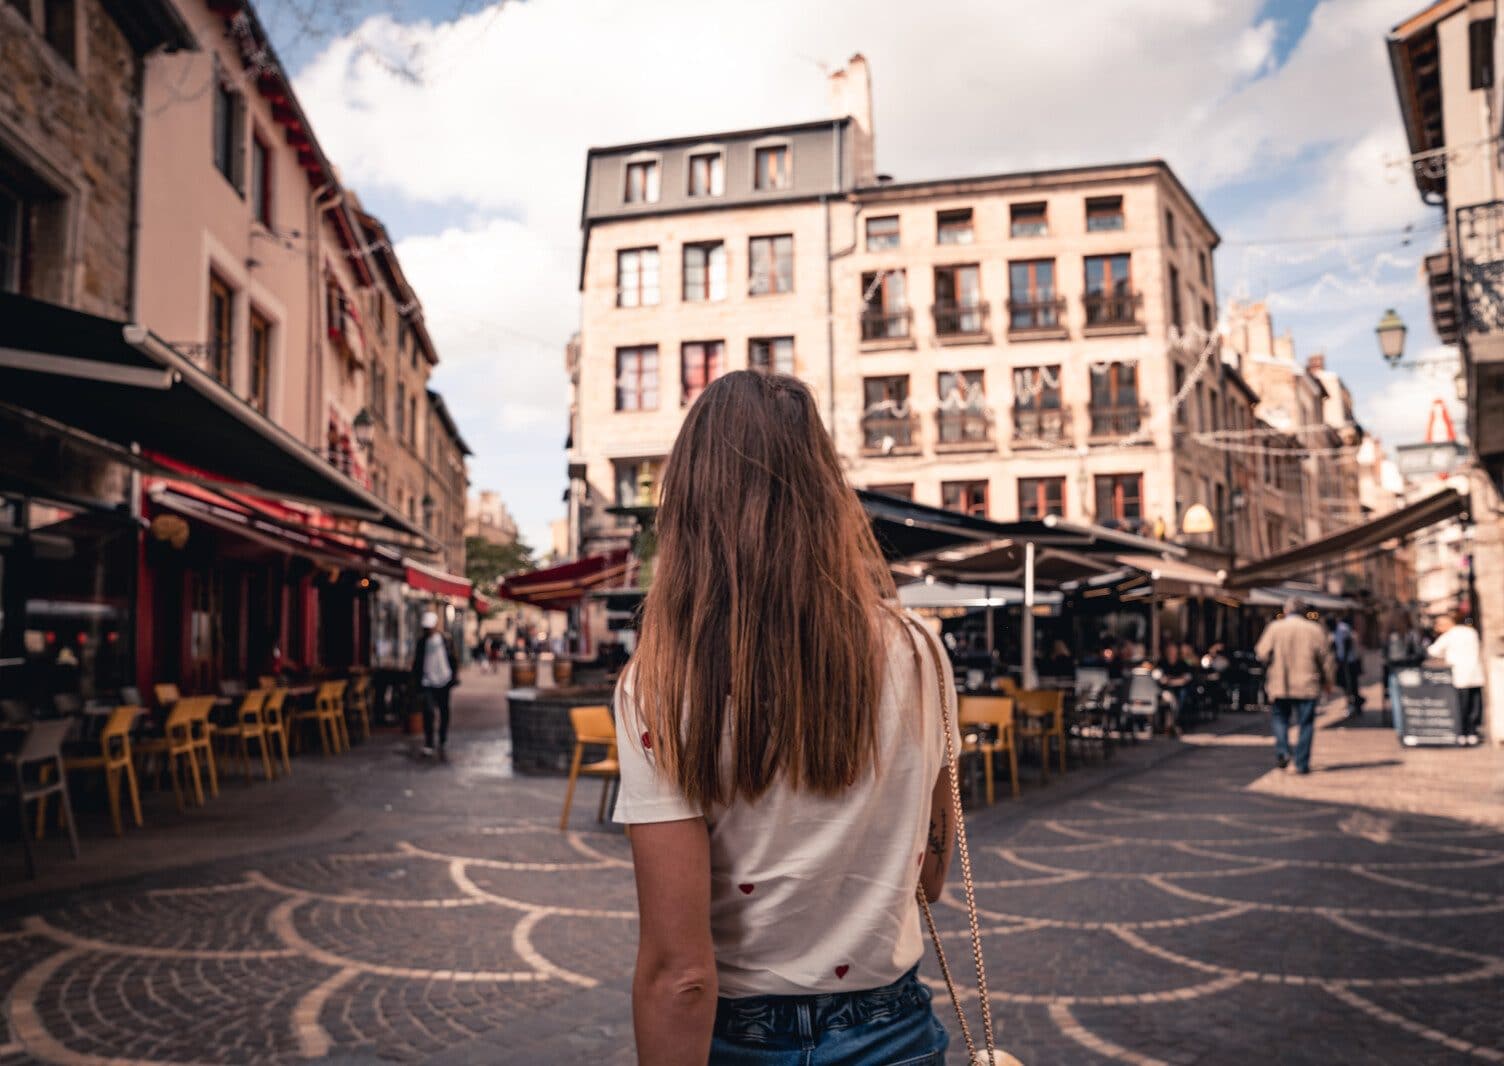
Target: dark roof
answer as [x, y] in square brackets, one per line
[442, 410]
[148, 24]
[701, 138]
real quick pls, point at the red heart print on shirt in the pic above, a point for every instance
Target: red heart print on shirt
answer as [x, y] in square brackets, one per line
[841, 970]
[647, 742]
[746, 888]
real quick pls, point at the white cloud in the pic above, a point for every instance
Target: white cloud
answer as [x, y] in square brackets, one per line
[1398, 411]
[512, 95]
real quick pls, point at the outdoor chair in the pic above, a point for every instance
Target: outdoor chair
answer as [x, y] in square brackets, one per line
[166, 694]
[130, 696]
[115, 759]
[1043, 719]
[1004, 684]
[36, 772]
[358, 704]
[176, 747]
[267, 681]
[249, 725]
[202, 731]
[1142, 704]
[1095, 712]
[593, 727]
[994, 711]
[328, 716]
[275, 724]
[14, 713]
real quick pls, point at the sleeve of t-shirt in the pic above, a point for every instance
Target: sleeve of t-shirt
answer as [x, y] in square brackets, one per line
[645, 795]
[928, 641]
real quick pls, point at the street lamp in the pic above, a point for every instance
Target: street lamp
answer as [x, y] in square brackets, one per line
[428, 505]
[1391, 332]
[365, 429]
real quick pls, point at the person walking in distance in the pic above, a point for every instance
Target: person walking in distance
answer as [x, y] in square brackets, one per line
[1349, 663]
[435, 673]
[1458, 646]
[1299, 669]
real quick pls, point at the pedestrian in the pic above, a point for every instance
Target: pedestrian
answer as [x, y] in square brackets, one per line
[1349, 656]
[1299, 669]
[787, 786]
[435, 674]
[1457, 644]
[493, 654]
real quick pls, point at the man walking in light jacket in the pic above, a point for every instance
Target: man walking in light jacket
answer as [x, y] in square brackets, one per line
[1299, 669]
[1458, 646]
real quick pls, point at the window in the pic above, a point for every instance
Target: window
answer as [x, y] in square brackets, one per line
[227, 140]
[962, 417]
[704, 272]
[221, 327]
[885, 314]
[1120, 498]
[378, 391]
[1028, 220]
[1207, 321]
[1109, 296]
[965, 497]
[958, 300]
[707, 174]
[773, 355]
[1040, 496]
[59, 24]
[412, 421]
[899, 491]
[701, 363]
[770, 265]
[636, 483]
[261, 361]
[642, 182]
[1169, 228]
[261, 182]
[1201, 263]
[1104, 213]
[400, 422]
[882, 233]
[12, 232]
[886, 419]
[1114, 399]
[637, 378]
[1031, 295]
[1179, 384]
[771, 167]
[1176, 310]
[1480, 51]
[637, 277]
[954, 227]
[1036, 388]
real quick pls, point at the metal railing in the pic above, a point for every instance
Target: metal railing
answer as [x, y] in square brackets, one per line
[963, 427]
[1118, 421]
[1028, 315]
[886, 325]
[1480, 266]
[1041, 427]
[960, 319]
[1112, 308]
[881, 433]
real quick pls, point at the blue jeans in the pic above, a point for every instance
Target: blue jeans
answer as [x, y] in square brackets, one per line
[888, 1026]
[1303, 713]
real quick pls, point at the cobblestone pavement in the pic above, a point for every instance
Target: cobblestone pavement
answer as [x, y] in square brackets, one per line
[1156, 911]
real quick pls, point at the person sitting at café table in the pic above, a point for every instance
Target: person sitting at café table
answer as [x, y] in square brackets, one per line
[1175, 673]
[1059, 663]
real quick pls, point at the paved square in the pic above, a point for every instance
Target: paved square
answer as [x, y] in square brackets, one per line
[1158, 910]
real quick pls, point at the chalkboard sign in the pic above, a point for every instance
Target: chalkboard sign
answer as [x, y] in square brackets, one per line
[1428, 709]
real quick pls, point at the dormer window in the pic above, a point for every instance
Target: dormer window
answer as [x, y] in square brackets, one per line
[707, 173]
[771, 167]
[642, 182]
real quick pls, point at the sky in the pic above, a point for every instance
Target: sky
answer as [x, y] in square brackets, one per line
[464, 125]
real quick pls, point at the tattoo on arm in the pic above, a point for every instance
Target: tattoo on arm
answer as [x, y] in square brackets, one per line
[937, 833]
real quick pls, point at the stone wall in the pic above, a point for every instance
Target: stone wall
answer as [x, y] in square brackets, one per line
[68, 135]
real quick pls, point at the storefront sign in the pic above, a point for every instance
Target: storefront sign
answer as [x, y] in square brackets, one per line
[1429, 713]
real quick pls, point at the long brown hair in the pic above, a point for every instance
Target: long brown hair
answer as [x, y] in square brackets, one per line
[764, 624]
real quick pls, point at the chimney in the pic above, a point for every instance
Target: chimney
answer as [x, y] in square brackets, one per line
[851, 96]
[1316, 363]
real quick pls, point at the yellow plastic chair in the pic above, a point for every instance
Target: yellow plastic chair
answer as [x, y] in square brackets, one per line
[1043, 713]
[275, 724]
[593, 727]
[994, 711]
[115, 759]
[202, 731]
[177, 748]
[358, 703]
[328, 715]
[166, 694]
[250, 724]
[1005, 684]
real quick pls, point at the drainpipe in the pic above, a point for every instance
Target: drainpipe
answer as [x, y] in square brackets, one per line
[316, 324]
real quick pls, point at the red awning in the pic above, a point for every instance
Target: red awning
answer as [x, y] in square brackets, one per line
[563, 586]
[482, 605]
[429, 579]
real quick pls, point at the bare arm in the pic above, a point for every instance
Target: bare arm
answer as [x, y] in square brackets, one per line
[941, 838]
[674, 988]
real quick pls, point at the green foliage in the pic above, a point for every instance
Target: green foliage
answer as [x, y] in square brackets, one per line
[485, 562]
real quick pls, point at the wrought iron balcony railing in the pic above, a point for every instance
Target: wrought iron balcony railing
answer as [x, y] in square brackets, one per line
[886, 325]
[956, 320]
[1118, 421]
[1480, 266]
[883, 433]
[963, 427]
[1042, 427]
[1112, 309]
[1031, 316]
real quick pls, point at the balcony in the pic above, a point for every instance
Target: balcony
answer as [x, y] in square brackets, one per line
[963, 431]
[1480, 274]
[1442, 283]
[1108, 423]
[1048, 427]
[1037, 319]
[960, 322]
[886, 326]
[1111, 313]
[887, 433]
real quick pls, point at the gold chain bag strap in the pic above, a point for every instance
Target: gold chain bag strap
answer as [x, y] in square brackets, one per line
[991, 1055]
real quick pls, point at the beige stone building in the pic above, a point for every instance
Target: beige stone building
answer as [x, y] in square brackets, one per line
[1010, 345]
[487, 517]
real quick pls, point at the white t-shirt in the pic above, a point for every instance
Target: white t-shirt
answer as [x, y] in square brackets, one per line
[814, 894]
[1460, 648]
[436, 672]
